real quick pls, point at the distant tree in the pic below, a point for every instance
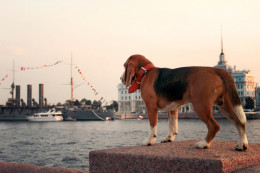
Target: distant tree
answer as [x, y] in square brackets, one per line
[69, 103]
[76, 103]
[115, 105]
[250, 103]
[88, 102]
[96, 104]
[112, 106]
[83, 101]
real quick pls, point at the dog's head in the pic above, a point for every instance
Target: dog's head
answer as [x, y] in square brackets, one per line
[132, 65]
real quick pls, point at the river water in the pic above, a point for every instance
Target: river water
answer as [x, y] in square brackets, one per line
[67, 144]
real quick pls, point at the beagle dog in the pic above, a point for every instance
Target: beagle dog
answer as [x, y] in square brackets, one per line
[168, 89]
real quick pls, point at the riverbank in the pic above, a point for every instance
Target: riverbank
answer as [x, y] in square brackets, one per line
[181, 115]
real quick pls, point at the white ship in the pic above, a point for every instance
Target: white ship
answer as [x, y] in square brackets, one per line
[51, 115]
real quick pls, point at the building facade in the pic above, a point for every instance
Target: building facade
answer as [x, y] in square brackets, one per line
[133, 103]
[257, 97]
[128, 103]
[244, 79]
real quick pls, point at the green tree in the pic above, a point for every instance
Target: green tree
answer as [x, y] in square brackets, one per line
[112, 106]
[250, 103]
[83, 101]
[115, 105]
[76, 103]
[96, 104]
[88, 102]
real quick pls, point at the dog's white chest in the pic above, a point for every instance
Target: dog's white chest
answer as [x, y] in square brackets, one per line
[171, 106]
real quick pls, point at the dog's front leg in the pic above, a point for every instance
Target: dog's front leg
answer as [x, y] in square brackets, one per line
[153, 119]
[173, 126]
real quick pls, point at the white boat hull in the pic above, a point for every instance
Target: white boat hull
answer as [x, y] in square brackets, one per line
[56, 118]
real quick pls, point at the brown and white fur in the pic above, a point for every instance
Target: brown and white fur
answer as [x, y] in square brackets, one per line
[167, 89]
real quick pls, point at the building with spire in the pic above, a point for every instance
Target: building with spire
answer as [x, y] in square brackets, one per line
[244, 79]
[222, 63]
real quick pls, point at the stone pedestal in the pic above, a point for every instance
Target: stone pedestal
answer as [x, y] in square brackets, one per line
[179, 156]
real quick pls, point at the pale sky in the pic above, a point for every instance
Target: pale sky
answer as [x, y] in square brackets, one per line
[102, 34]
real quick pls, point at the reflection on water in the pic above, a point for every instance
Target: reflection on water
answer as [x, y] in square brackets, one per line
[67, 144]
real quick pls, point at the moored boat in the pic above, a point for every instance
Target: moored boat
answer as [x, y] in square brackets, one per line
[140, 117]
[51, 115]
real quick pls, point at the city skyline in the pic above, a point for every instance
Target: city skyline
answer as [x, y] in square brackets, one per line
[102, 35]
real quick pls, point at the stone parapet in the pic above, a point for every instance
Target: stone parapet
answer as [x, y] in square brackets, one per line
[179, 156]
[25, 168]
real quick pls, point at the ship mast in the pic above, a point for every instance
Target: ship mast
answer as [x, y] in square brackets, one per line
[13, 86]
[71, 82]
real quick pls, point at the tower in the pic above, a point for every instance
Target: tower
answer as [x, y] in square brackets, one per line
[17, 96]
[29, 96]
[222, 60]
[41, 95]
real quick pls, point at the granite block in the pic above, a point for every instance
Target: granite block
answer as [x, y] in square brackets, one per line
[25, 168]
[178, 156]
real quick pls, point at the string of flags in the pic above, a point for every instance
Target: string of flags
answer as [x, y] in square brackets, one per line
[40, 67]
[6, 76]
[31, 68]
[22, 68]
[102, 100]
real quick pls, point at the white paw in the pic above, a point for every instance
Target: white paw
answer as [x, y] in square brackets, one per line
[169, 138]
[202, 144]
[150, 141]
[242, 144]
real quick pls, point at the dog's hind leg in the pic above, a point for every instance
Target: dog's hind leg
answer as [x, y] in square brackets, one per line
[204, 111]
[237, 116]
[173, 126]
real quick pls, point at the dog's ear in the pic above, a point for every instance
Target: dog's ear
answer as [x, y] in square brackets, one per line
[129, 73]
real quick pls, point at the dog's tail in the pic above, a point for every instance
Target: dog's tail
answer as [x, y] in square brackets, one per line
[230, 86]
[234, 110]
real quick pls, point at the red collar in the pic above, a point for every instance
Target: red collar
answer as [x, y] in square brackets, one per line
[140, 74]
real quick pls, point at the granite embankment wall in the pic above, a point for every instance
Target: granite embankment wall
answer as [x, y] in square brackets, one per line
[179, 156]
[25, 168]
[164, 115]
